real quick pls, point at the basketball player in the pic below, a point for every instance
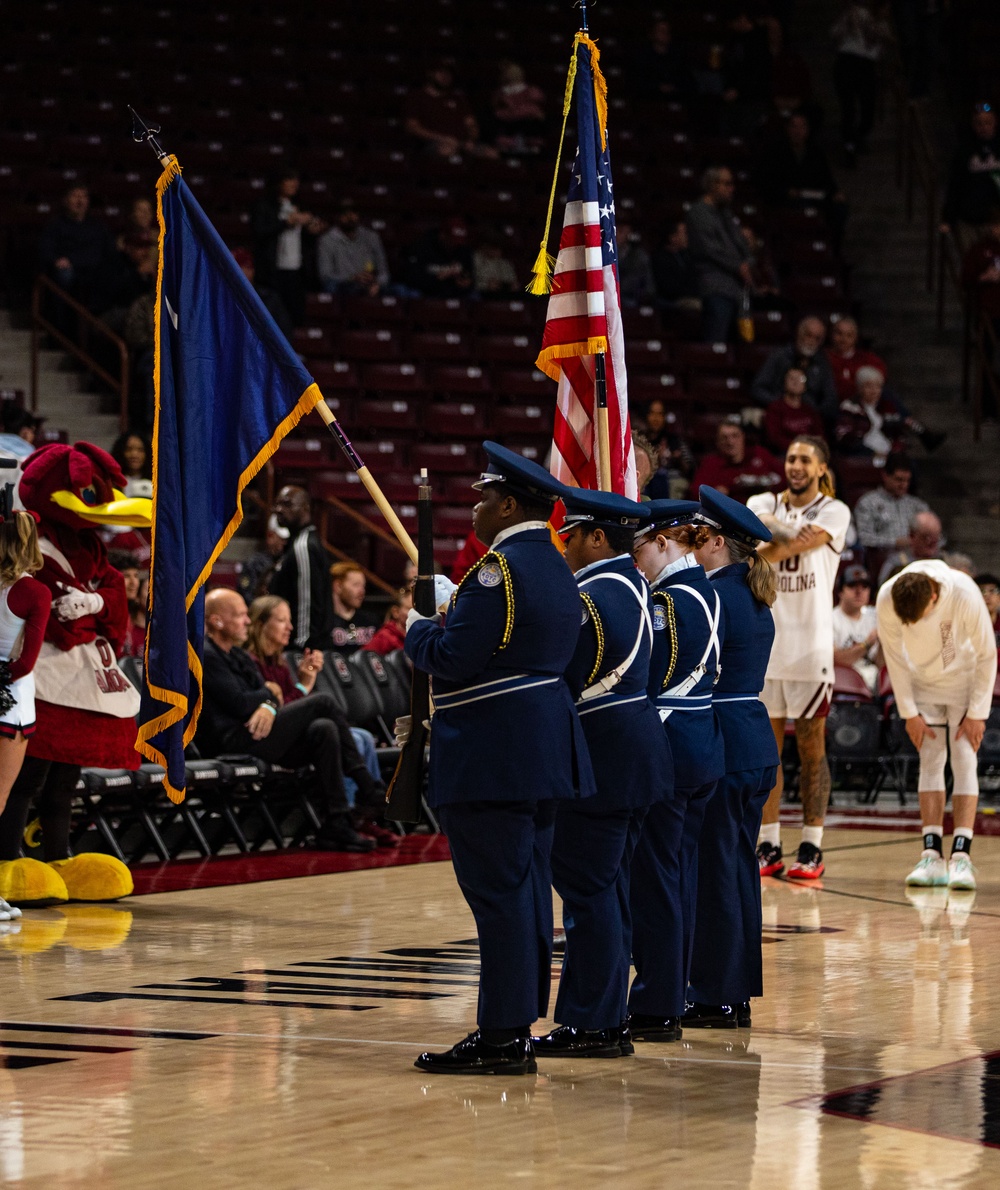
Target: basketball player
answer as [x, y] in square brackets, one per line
[808, 529]
[939, 647]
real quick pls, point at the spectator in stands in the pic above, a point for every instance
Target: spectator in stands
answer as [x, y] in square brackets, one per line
[390, 636]
[721, 255]
[139, 332]
[855, 627]
[134, 644]
[302, 574]
[794, 171]
[78, 252]
[804, 354]
[492, 272]
[792, 415]
[846, 357]
[243, 713]
[20, 429]
[884, 515]
[280, 251]
[791, 86]
[989, 584]
[923, 543]
[660, 68]
[974, 177]
[736, 470]
[645, 463]
[440, 263]
[141, 226]
[131, 452]
[441, 118]
[519, 112]
[350, 258]
[255, 577]
[635, 272]
[959, 561]
[981, 267]
[673, 270]
[860, 34]
[674, 460]
[874, 422]
[352, 627]
[273, 301]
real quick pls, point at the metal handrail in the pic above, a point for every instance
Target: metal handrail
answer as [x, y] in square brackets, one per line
[85, 319]
[369, 526]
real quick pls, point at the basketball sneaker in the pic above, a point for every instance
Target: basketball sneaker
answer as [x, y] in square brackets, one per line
[961, 873]
[930, 872]
[808, 863]
[769, 859]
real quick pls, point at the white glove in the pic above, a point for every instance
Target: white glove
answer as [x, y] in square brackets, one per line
[443, 589]
[401, 729]
[412, 616]
[75, 604]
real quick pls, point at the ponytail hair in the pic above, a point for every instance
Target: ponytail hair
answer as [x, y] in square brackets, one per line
[827, 485]
[762, 580]
[691, 536]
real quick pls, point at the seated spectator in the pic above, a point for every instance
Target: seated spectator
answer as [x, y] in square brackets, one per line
[792, 415]
[519, 112]
[972, 189]
[440, 263]
[960, 561]
[19, 430]
[255, 577]
[78, 252]
[242, 712]
[635, 273]
[675, 462]
[735, 470]
[791, 86]
[390, 636]
[274, 303]
[350, 258]
[981, 268]
[673, 270]
[134, 644]
[804, 354]
[721, 255]
[923, 543]
[493, 273]
[645, 463]
[874, 423]
[141, 228]
[440, 117]
[660, 69]
[846, 357]
[883, 516]
[131, 452]
[352, 627]
[794, 171]
[989, 584]
[470, 553]
[855, 627]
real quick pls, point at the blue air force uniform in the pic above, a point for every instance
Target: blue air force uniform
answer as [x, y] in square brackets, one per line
[632, 765]
[689, 628]
[726, 961]
[506, 745]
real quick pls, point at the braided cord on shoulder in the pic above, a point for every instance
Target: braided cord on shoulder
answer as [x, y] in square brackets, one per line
[508, 586]
[595, 619]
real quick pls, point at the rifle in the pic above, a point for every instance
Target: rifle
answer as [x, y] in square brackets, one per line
[403, 799]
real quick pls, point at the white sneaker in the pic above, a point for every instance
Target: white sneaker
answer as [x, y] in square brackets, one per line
[930, 872]
[961, 873]
[8, 912]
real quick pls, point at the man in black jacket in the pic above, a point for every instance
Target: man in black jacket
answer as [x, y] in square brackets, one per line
[242, 713]
[302, 573]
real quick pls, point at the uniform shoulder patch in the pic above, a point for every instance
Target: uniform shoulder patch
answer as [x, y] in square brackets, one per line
[490, 574]
[584, 612]
[659, 617]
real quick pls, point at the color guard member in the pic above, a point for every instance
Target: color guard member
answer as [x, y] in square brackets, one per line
[506, 745]
[688, 630]
[632, 767]
[726, 960]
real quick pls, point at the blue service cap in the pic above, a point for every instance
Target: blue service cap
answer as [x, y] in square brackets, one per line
[730, 517]
[517, 473]
[664, 514]
[604, 510]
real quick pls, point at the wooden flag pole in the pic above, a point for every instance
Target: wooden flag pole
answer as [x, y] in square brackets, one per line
[142, 133]
[603, 433]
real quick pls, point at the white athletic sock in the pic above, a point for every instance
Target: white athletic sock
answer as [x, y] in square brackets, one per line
[770, 832]
[813, 834]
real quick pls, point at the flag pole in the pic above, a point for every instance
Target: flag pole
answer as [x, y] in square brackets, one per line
[142, 133]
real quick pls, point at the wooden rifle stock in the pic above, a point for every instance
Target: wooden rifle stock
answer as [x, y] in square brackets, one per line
[403, 799]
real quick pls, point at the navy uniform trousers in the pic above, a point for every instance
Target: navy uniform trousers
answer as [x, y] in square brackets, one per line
[506, 746]
[633, 768]
[665, 863]
[726, 958]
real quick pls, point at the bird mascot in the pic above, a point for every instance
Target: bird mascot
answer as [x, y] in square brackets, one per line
[85, 705]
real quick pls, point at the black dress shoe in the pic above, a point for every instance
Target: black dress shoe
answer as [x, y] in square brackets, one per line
[476, 1056]
[568, 1042]
[641, 1027]
[625, 1041]
[710, 1016]
[743, 1014]
[339, 835]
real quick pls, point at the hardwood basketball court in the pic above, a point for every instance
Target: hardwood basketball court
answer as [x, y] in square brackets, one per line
[264, 1034]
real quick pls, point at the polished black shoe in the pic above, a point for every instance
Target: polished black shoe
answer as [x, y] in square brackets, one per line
[743, 1015]
[476, 1056]
[339, 835]
[568, 1042]
[710, 1016]
[625, 1041]
[641, 1027]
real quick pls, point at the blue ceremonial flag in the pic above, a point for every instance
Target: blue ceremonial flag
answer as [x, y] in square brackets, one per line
[228, 389]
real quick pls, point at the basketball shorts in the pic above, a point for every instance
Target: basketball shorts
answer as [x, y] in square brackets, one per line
[796, 700]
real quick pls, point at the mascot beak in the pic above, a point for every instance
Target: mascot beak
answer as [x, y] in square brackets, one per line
[135, 511]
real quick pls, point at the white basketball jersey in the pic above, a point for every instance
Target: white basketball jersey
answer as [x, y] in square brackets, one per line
[803, 612]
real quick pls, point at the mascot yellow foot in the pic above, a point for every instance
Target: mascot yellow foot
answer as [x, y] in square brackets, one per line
[32, 885]
[93, 877]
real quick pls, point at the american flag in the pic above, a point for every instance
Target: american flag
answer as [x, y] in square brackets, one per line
[584, 313]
